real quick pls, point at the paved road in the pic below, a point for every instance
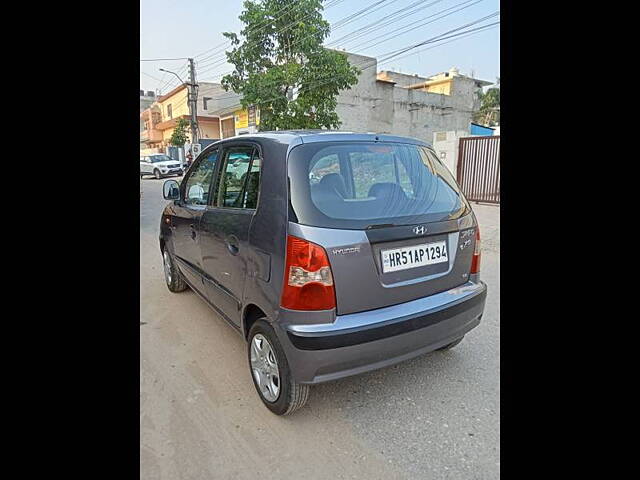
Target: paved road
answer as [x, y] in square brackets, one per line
[433, 417]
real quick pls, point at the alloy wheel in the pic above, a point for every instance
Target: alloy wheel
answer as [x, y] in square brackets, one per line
[167, 266]
[264, 366]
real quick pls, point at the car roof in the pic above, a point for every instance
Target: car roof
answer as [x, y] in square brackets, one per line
[295, 137]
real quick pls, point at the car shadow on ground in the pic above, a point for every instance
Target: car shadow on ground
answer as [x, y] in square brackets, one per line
[374, 391]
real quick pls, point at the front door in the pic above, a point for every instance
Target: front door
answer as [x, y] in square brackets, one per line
[228, 128]
[224, 228]
[194, 196]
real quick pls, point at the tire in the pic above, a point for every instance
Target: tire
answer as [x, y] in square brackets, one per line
[172, 276]
[291, 395]
[157, 174]
[141, 175]
[449, 346]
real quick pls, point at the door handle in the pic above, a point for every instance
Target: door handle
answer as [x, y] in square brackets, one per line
[232, 245]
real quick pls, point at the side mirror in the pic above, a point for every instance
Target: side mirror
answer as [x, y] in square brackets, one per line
[171, 190]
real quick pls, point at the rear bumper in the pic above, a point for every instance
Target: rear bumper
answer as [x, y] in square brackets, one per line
[360, 342]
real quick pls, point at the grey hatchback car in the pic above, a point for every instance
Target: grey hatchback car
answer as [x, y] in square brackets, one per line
[331, 253]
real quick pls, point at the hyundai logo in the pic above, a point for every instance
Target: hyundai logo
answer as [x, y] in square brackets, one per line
[420, 230]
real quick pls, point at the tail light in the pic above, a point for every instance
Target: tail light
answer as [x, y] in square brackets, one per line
[308, 283]
[475, 261]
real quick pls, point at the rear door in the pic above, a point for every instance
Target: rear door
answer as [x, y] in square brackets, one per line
[195, 191]
[391, 219]
[224, 228]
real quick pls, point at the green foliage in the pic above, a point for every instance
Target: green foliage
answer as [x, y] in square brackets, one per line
[281, 55]
[489, 113]
[179, 135]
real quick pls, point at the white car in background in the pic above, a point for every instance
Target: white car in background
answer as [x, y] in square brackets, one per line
[159, 165]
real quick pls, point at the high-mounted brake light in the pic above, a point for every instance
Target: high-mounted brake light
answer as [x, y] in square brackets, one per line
[475, 261]
[308, 283]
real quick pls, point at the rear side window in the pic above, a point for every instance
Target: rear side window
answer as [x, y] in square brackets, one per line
[355, 185]
[239, 178]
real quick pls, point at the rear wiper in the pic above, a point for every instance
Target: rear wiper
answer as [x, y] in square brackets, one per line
[380, 225]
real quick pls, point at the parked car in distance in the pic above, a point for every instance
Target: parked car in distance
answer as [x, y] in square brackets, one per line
[331, 253]
[159, 165]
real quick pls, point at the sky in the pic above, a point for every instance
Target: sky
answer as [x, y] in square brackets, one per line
[193, 28]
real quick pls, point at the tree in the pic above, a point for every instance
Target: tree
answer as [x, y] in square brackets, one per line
[489, 112]
[282, 68]
[179, 135]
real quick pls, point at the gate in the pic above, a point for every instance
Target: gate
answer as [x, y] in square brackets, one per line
[479, 168]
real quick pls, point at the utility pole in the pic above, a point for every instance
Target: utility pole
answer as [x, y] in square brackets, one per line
[193, 102]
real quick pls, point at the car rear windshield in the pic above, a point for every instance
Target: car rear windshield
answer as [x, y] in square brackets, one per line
[360, 185]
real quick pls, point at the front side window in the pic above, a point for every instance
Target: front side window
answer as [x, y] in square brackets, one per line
[240, 178]
[198, 184]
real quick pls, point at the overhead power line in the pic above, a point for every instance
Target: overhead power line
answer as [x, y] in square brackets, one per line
[398, 32]
[151, 76]
[341, 22]
[261, 25]
[366, 28]
[385, 58]
[468, 34]
[391, 35]
[254, 29]
[162, 59]
[220, 58]
[391, 55]
[360, 13]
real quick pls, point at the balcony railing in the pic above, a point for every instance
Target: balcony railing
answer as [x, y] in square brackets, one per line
[150, 136]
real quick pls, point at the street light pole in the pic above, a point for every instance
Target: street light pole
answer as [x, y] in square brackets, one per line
[169, 71]
[192, 97]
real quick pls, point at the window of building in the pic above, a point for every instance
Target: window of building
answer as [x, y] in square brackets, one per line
[204, 102]
[169, 111]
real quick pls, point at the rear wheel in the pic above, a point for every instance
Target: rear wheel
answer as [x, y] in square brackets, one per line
[175, 282]
[270, 372]
[452, 344]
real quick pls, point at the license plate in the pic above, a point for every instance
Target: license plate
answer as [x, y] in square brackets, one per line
[415, 256]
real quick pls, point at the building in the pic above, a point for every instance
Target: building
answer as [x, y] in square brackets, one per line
[382, 102]
[161, 117]
[409, 105]
[146, 100]
[219, 115]
[174, 105]
[234, 120]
